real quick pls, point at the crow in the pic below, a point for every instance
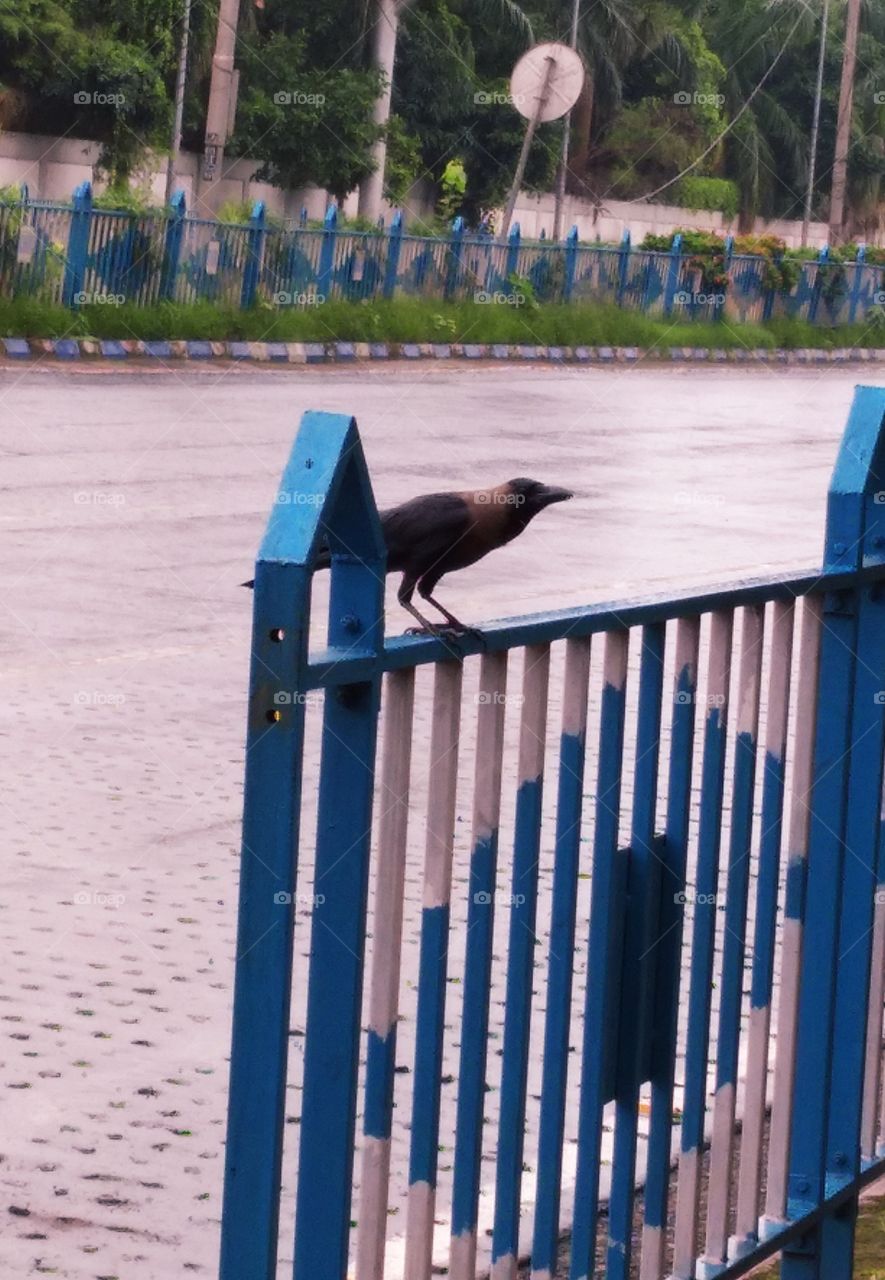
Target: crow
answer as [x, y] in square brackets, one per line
[438, 533]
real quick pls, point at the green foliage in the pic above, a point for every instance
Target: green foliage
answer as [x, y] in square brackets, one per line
[404, 165]
[714, 194]
[452, 187]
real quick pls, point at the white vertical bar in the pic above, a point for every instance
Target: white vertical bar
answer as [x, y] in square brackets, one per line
[778, 707]
[387, 936]
[442, 790]
[722, 1144]
[873, 1069]
[791, 950]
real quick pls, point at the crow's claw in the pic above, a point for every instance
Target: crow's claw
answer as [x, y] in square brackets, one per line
[451, 634]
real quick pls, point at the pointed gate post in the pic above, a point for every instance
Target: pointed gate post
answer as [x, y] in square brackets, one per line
[843, 856]
[325, 498]
[674, 266]
[394, 244]
[254, 255]
[78, 246]
[172, 247]
[327, 253]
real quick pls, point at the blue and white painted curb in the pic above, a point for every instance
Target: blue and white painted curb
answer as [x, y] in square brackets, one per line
[297, 353]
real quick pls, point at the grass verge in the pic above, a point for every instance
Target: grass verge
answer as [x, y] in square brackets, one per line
[418, 320]
[869, 1253]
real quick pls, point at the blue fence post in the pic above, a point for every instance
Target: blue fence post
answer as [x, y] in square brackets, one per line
[674, 267]
[327, 253]
[394, 245]
[254, 254]
[302, 216]
[843, 854]
[324, 501]
[623, 267]
[727, 256]
[78, 246]
[453, 258]
[857, 283]
[814, 302]
[571, 264]
[172, 246]
[512, 264]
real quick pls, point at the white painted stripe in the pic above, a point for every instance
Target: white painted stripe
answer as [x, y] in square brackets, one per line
[489, 745]
[778, 707]
[373, 1209]
[574, 696]
[753, 1130]
[791, 951]
[750, 680]
[462, 1258]
[419, 1236]
[688, 1189]
[387, 936]
[651, 1266]
[504, 1268]
[617, 646]
[719, 1187]
[873, 1067]
[532, 728]
[444, 739]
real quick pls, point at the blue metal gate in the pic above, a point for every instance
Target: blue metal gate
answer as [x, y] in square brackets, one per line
[679, 949]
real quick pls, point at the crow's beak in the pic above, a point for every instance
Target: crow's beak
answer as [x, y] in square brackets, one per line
[250, 584]
[552, 493]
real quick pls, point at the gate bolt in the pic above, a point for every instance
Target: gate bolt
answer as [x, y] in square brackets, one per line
[841, 1159]
[351, 624]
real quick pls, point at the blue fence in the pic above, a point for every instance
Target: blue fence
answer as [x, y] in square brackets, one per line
[77, 254]
[592, 972]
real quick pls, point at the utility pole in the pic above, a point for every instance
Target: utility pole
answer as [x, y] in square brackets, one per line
[566, 138]
[843, 124]
[179, 100]
[383, 57]
[221, 90]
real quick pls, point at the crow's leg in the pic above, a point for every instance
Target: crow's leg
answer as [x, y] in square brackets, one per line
[404, 596]
[424, 590]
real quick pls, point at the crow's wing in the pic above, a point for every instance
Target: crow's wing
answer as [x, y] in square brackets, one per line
[418, 533]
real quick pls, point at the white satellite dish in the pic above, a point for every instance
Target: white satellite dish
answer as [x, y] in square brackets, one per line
[547, 82]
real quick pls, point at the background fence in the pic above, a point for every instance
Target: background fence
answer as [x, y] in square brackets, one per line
[77, 254]
[580, 984]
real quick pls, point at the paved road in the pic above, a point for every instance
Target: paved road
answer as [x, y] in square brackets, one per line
[132, 506]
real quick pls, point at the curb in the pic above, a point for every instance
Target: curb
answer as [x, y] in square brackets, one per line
[302, 353]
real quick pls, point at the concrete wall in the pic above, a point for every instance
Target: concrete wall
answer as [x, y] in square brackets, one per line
[52, 167]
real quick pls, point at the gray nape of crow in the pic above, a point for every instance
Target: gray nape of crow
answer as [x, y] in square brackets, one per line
[436, 534]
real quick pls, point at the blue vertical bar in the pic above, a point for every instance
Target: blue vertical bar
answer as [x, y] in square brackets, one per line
[846, 792]
[623, 267]
[78, 245]
[394, 245]
[453, 259]
[571, 263]
[674, 267]
[521, 955]
[172, 247]
[511, 267]
[603, 956]
[254, 253]
[271, 825]
[642, 927]
[675, 852]
[325, 273]
[857, 283]
[817, 289]
[561, 952]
